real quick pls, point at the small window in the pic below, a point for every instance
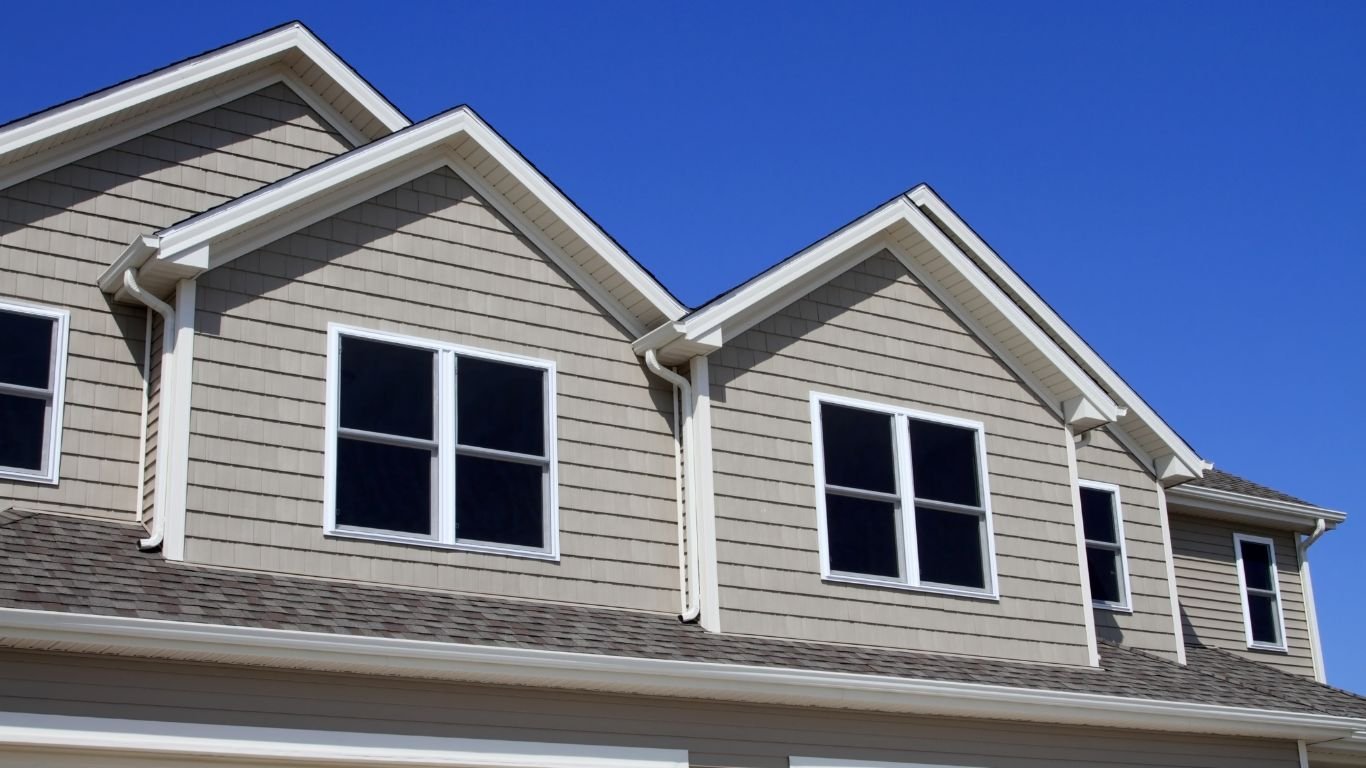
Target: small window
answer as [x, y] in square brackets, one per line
[1262, 617]
[902, 498]
[32, 377]
[441, 445]
[1103, 529]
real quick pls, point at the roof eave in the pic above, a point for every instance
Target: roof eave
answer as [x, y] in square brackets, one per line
[1228, 505]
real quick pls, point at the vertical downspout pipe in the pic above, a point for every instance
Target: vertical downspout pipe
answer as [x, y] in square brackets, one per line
[687, 506]
[130, 282]
[1307, 586]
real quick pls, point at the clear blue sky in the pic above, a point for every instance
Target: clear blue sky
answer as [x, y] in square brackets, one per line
[1184, 182]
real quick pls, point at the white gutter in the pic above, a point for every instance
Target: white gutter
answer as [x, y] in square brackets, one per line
[168, 324]
[690, 560]
[1307, 586]
[1251, 508]
[360, 655]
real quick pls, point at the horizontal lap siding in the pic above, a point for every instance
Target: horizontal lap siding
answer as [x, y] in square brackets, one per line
[59, 231]
[433, 260]
[1211, 598]
[1150, 626]
[149, 470]
[875, 333]
[718, 735]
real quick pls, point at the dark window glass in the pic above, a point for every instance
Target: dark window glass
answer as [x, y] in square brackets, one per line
[385, 487]
[950, 547]
[26, 349]
[1261, 610]
[499, 502]
[501, 406]
[1103, 566]
[23, 420]
[862, 536]
[1257, 565]
[944, 463]
[1098, 515]
[387, 388]
[857, 447]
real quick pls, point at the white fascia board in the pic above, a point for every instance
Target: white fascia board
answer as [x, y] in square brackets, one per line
[662, 677]
[106, 736]
[924, 196]
[350, 81]
[137, 252]
[1252, 509]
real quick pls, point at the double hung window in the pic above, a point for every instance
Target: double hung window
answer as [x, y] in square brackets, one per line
[1262, 616]
[902, 498]
[32, 374]
[438, 444]
[1103, 529]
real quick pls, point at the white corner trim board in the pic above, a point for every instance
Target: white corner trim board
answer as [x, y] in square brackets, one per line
[826, 762]
[711, 680]
[159, 738]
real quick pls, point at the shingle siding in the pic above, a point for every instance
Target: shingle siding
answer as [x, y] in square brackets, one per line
[875, 333]
[59, 231]
[429, 259]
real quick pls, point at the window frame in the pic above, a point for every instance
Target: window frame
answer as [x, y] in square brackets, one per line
[905, 501]
[445, 405]
[1125, 587]
[49, 472]
[1275, 592]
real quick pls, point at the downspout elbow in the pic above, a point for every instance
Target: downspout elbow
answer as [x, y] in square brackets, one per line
[692, 602]
[130, 282]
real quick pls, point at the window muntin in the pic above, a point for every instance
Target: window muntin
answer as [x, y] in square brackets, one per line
[902, 498]
[32, 379]
[440, 445]
[1107, 566]
[1263, 618]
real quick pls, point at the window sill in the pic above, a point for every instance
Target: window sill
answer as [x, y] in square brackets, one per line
[1112, 607]
[870, 581]
[1265, 647]
[414, 541]
[22, 476]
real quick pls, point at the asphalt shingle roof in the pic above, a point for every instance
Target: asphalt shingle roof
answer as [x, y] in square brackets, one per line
[1225, 481]
[76, 565]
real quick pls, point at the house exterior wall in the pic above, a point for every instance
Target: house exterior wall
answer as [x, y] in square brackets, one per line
[429, 259]
[1211, 596]
[1150, 627]
[59, 231]
[715, 734]
[874, 333]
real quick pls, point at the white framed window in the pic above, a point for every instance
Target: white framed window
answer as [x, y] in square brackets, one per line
[902, 498]
[1263, 619]
[32, 387]
[1107, 561]
[441, 445]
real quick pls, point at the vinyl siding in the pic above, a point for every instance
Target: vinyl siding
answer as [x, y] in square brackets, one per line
[429, 259]
[59, 231]
[1211, 598]
[718, 735]
[1150, 626]
[875, 333]
[149, 469]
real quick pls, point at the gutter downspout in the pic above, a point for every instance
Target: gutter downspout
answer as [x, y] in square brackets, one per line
[687, 501]
[1307, 585]
[130, 282]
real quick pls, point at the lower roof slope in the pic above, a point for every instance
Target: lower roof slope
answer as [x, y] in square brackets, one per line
[61, 564]
[1227, 481]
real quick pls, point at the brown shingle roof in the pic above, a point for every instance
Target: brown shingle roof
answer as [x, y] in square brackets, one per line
[69, 565]
[1225, 481]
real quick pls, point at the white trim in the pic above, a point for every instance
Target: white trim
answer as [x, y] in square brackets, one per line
[1213, 502]
[1125, 605]
[358, 654]
[905, 503]
[64, 733]
[1311, 615]
[1244, 590]
[177, 431]
[825, 762]
[1088, 615]
[49, 471]
[709, 579]
[1178, 631]
[444, 361]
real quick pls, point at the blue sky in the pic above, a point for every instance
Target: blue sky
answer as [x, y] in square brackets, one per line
[1185, 183]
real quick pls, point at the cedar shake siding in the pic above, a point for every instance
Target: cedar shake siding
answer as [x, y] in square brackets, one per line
[716, 735]
[433, 260]
[59, 231]
[874, 333]
[1149, 626]
[1211, 596]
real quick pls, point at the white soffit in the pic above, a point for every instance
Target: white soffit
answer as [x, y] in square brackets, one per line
[457, 139]
[290, 54]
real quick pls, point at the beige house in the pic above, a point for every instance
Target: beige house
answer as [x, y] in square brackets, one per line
[331, 439]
